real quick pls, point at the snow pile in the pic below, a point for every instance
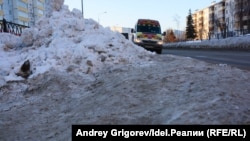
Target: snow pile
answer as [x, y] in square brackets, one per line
[53, 5]
[242, 42]
[8, 41]
[173, 90]
[68, 43]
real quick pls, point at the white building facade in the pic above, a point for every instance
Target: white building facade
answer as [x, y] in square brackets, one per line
[223, 19]
[229, 15]
[201, 23]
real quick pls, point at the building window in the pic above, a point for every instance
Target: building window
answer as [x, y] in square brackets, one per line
[23, 4]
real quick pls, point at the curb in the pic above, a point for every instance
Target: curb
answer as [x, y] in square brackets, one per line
[210, 49]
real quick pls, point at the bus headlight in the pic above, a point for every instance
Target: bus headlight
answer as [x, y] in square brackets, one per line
[137, 40]
[160, 42]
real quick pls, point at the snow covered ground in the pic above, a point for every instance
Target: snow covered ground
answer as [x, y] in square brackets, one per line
[241, 42]
[86, 74]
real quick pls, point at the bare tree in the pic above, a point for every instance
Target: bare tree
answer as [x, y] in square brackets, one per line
[219, 20]
[247, 14]
[202, 33]
[177, 20]
[239, 14]
[231, 13]
[221, 26]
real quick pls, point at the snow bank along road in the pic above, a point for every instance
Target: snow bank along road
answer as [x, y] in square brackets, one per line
[231, 57]
[167, 91]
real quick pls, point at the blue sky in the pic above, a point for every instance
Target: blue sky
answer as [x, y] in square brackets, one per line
[125, 12]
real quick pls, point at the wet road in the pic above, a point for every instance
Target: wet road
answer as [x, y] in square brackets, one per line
[240, 59]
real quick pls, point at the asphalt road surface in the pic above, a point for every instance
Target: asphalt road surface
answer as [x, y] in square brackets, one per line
[240, 59]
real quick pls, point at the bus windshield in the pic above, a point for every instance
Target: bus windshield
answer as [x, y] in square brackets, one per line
[149, 29]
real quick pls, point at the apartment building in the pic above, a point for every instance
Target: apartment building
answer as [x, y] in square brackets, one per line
[201, 23]
[223, 19]
[36, 10]
[219, 19]
[24, 12]
[230, 16]
[211, 21]
[242, 16]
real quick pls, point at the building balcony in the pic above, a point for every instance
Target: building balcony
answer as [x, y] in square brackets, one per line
[245, 18]
[39, 15]
[25, 1]
[211, 8]
[239, 10]
[20, 8]
[211, 20]
[24, 19]
[222, 3]
[220, 15]
[201, 24]
[221, 20]
[221, 9]
[211, 14]
[238, 2]
[211, 23]
[211, 29]
[239, 5]
[40, 7]
[237, 19]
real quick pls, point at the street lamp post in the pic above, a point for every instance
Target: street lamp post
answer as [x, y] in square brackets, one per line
[82, 8]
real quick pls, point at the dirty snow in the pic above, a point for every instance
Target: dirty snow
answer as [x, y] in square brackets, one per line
[86, 74]
[241, 42]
